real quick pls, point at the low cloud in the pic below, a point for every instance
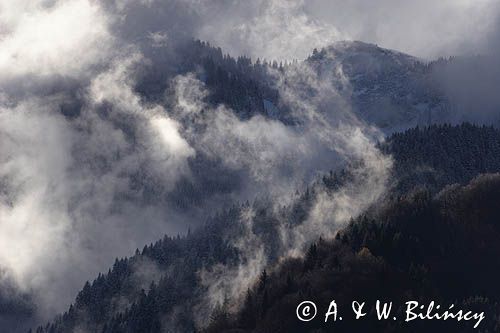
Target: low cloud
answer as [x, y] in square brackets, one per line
[86, 163]
[327, 133]
[273, 30]
[70, 201]
[42, 38]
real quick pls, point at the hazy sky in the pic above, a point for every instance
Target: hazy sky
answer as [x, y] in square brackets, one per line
[424, 28]
[282, 28]
[260, 28]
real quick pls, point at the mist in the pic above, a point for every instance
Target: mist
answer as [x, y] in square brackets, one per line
[87, 163]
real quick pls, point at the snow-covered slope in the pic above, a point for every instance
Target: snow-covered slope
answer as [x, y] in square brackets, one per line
[389, 89]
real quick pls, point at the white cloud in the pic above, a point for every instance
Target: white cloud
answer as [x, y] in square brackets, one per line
[275, 30]
[64, 38]
[424, 28]
[30, 213]
[281, 29]
[68, 206]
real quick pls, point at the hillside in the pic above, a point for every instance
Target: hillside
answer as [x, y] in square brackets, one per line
[441, 248]
[386, 88]
[115, 302]
[435, 156]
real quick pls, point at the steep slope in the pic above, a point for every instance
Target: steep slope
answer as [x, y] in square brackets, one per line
[386, 88]
[238, 83]
[443, 249]
[124, 300]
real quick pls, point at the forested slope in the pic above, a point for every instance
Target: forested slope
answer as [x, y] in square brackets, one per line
[414, 231]
[441, 248]
[438, 155]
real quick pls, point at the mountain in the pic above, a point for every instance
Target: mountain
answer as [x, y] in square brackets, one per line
[426, 161]
[153, 182]
[385, 88]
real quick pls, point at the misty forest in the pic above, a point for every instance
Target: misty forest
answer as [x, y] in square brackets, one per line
[191, 166]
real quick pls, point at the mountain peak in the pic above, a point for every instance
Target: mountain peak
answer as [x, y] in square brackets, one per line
[353, 50]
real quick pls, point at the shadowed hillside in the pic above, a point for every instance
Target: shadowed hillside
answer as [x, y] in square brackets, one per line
[441, 248]
[414, 233]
